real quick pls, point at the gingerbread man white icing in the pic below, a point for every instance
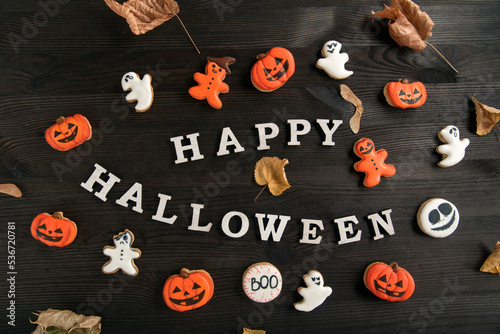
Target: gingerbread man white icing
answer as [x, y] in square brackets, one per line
[454, 150]
[122, 255]
[334, 62]
[140, 90]
[314, 294]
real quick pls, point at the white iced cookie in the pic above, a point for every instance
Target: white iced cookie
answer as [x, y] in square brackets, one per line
[140, 90]
[122, 255]
[454, 150]
[438, 217]
[314, 294]
[334, 62]
[262, 282]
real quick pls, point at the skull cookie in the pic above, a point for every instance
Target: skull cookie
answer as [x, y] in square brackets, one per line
[438, 217]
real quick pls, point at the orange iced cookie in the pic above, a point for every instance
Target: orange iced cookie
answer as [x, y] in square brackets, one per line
[372, 162]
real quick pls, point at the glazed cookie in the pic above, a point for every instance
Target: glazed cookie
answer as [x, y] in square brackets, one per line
[372, 162]
[314, 294]
[438, 217]
[68, 132]
[389, 282]
[188, 290]
[403, 94]
[211, 84]
[273, 69]
[334, 62]
[122, 255]
[140, 90]
[262, 282]
[53, 230]
[454, 150]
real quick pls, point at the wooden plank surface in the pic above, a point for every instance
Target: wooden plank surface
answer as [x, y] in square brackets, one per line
[67, 57]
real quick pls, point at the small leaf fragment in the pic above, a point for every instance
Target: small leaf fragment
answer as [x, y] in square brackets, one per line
[486, 117]
[270, 171]
[253, 331]
[10, 189]
[348, 95]
[65, 321]
[492, 263]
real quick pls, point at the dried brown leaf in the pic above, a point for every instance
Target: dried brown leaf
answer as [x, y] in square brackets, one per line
[270, 171]
[348, 95]
[492, 263]
[409, 26]
[65, 321]
[486, 117]
[10, 189]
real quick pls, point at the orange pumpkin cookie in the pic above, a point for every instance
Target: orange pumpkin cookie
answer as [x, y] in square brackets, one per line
[211, 83]
[272, 69]
[403, 94]
[372, 162]
[53, 230]
[389, 282]
[68, 132]
[188, 290]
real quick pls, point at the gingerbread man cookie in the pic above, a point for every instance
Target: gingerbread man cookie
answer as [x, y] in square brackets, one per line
[314, 294]
[454, 150]
[334, 62]
[372, 162]
[122, 255]
[211, 83]
[141, 90]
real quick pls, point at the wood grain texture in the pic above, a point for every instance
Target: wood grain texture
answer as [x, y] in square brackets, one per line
[69, 58]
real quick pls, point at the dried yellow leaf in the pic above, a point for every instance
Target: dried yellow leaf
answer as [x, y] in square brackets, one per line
[253, 331]
[492, 263]
[270, 171]
[66, 321]
[486, 117]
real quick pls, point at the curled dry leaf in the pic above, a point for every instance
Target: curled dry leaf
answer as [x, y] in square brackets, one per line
[409, 26]
[270, 171]
[492, 263]
[10, 189]
[349, 96]
[65, 321]
[486, 117]
[253, 331]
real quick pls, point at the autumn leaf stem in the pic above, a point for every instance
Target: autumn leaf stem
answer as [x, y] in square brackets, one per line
[439, 53]
[255, 199]
[187, 33]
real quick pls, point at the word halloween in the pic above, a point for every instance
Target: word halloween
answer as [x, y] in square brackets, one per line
[274, 228]
[266, 131]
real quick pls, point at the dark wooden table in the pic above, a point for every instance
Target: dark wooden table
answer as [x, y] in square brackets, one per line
[60, 58]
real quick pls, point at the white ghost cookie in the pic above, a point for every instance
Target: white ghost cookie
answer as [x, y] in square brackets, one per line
[122, 255]
[454, 150]
[438, 217]
[140, 90]
[334, 62]
[314, 294]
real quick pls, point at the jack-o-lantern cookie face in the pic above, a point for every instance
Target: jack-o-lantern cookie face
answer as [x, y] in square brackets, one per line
[272, 69]
[53, 230]
[389, 282]
[68, 132]
[188, 290]
[403, 94]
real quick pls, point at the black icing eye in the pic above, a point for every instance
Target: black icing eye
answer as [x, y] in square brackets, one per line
[42, 227]
[434, 216]
[56, 133]
[361, 148]
[383, 279]
[176, 290]
[401, 93]
[70, 125]
[213, 65]
[125, 238]
[451, 131]
[220, 69]
[196, 286]
[58, 230]
[368, 144]
[416, 91]
[445, 208]
[399, 284]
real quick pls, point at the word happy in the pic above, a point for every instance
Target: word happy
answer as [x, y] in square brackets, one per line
[270, 225]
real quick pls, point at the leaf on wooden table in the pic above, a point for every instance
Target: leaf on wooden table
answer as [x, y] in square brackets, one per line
[65, 321]
[409, 26]
[10, 189]
[492, 263]
[253, 331]
[348, 95]
[486, 117]
[270, 171]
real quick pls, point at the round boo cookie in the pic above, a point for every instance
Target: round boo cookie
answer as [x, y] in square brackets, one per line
[262, 282]
[438, 217]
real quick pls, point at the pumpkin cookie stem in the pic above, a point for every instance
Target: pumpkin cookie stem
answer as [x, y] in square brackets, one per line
[394, 267]
[58, 215]
[184, 27]
[185, 272]
[439, 53]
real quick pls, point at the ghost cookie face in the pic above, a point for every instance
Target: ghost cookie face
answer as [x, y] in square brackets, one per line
[314, 293]
[438, 217]
[453, 150]
[122, 255]
[140, 90]
[334, 62]
[262, 282]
